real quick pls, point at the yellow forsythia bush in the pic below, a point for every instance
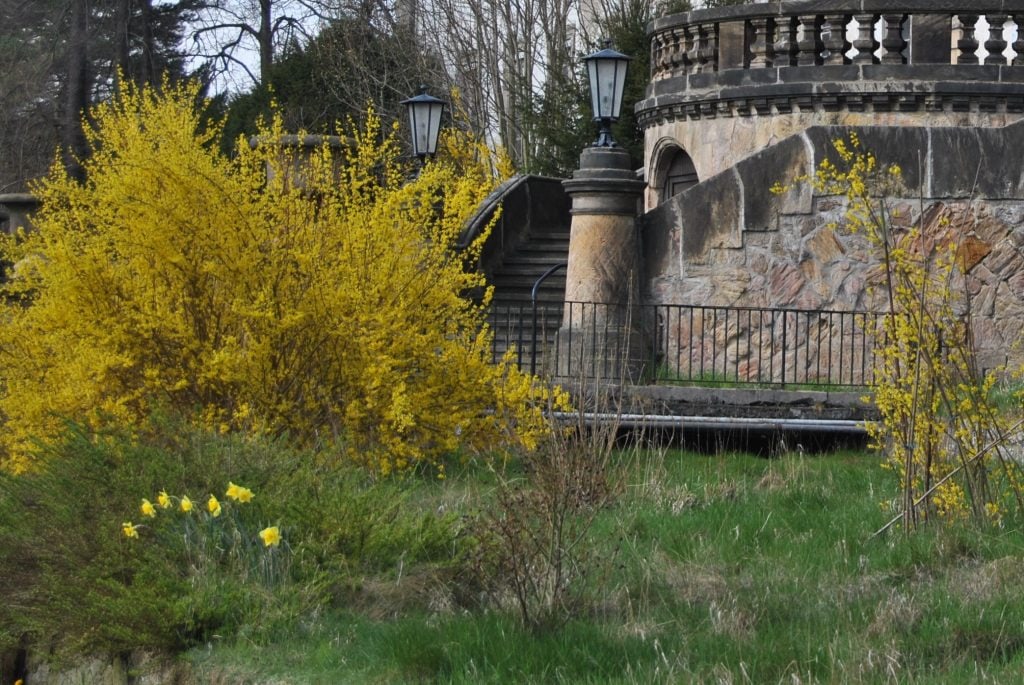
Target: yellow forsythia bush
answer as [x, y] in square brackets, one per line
[937, 419]
[334, 312]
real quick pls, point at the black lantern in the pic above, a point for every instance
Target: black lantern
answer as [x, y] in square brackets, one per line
[425, 122]
[607, 71]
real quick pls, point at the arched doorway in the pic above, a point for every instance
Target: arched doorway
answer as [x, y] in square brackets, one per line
[679, 174]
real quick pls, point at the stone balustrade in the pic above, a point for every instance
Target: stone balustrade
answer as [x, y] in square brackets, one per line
[852, 55]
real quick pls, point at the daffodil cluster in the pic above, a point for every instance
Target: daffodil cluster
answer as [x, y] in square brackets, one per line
[271, 536]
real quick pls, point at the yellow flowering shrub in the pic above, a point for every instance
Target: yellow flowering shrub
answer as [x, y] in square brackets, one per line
[321, 300]
[939, 430]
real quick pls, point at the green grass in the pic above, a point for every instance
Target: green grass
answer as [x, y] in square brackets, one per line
[726, 568]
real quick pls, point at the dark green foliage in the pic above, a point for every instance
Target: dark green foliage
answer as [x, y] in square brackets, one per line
[74, 581]
[70, 570]
[561, 119]
[143, 40]
[626, 27]
[351, 64]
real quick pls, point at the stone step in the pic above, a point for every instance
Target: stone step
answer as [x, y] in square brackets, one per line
[534, 259]
[522, 298]
[562, 236]
[544, 248]
[503, 281]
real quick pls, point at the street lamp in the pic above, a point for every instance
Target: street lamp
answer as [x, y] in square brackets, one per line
[607, 71]
[425, 123]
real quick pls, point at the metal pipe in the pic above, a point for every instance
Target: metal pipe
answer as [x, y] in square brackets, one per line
[719, 422]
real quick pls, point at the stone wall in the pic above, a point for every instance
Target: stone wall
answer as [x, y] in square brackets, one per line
[715, 144]
[731, 81]
[730, 241]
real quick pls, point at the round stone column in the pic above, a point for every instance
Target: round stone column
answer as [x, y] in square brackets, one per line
[601, 335]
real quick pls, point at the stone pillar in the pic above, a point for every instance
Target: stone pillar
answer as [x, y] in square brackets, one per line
[16, 210]
[601, 329]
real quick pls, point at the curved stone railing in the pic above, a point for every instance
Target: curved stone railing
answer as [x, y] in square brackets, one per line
[760, 58]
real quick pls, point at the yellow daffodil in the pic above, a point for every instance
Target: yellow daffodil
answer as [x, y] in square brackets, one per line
[186, 504]
[213, 506]
[271, 536]
[237, 492]
[129, 530]
[163, 499]
[147, 508]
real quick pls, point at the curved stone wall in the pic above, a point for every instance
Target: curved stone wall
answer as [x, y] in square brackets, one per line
[729, 82]
[730, 241]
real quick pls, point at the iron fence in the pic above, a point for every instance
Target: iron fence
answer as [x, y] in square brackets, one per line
[693, 344]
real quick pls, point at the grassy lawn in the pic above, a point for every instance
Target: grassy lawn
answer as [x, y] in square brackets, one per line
[723, 568]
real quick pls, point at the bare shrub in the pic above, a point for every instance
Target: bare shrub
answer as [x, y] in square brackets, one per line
[536, 553]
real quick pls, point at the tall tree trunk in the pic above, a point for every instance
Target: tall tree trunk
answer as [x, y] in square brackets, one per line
[76, 89]
[148, 68]
[266, 39]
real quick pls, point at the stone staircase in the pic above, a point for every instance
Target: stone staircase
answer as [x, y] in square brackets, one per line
[530, 238]
[512, 309]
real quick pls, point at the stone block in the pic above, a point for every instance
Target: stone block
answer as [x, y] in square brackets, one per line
[986, 163]
[1004, 260]
[703, 82]
[954, 161]
[709, 216]
[823, 246]
[785, 282]
[732, 45]
[930, 38]
[658, 249]
[818, 74]
[906, 147]
[782, 164]
[747, 77]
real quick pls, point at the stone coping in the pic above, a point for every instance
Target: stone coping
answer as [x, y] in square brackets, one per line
[751, 403]
[18, 199]
[305, 141]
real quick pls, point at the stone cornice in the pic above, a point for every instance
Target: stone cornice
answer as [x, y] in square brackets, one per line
[851, 88]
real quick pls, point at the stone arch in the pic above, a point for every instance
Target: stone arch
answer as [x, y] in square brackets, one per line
[673, 171]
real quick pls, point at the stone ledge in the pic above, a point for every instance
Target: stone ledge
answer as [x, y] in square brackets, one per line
[748, 403]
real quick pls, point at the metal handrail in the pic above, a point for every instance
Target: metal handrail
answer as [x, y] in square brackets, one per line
[715, 345]
[533, 304]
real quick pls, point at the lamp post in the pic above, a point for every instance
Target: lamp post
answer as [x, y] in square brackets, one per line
[424, 122]
[601, 328]
[607, 71]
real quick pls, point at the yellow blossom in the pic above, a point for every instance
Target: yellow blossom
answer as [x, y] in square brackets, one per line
[186, 504]
[362, 225]
[129, 530]
[163, 499]
[237, 492]
[271, 536]
[213, 506]
[147, 508]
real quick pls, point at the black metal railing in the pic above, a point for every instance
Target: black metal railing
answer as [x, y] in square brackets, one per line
[763, 346]
[528, 330]
[695, 344]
